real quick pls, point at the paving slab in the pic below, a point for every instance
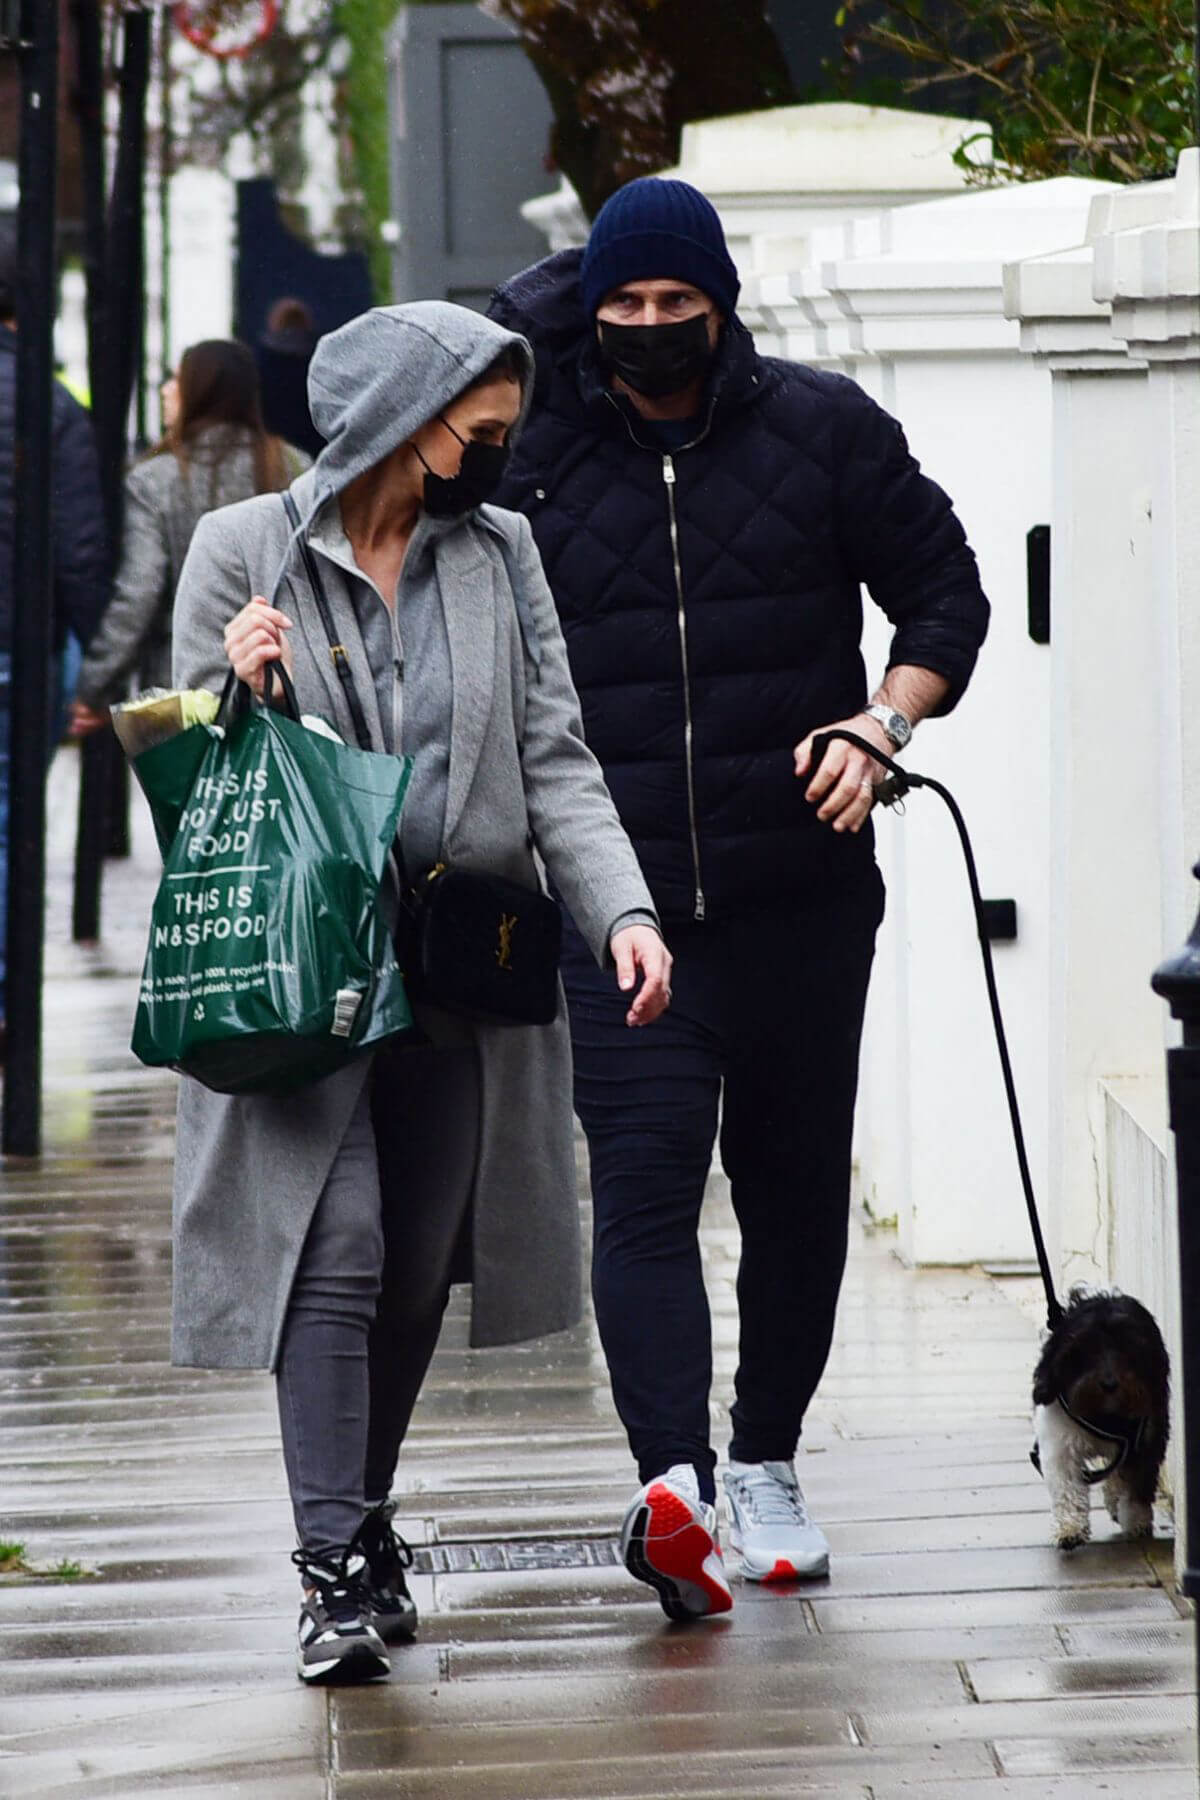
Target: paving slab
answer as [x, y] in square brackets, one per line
[951, 1651]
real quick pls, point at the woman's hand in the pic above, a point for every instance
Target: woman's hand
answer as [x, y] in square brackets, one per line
[83, 720]
[640, 947]
[253, 638]
[843, 788]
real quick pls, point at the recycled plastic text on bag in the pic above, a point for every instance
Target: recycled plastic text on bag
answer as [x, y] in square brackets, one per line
[270, 961]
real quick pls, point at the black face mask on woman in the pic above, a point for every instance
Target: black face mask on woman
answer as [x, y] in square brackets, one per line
[657, 360]
[480, 474]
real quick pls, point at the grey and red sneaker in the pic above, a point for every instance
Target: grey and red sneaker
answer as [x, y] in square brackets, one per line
[336, 1640]
[669, 1539]
[771, 1529]
[393, 1609]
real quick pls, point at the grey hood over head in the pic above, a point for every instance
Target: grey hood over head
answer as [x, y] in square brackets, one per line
[376, 380]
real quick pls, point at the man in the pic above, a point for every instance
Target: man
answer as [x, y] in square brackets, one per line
[706, 516]
[78, 537]
[283, 353]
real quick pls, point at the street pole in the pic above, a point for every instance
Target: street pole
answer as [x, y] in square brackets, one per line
[166, 161]
[101, 783]
[1178, 981]
[37, 50]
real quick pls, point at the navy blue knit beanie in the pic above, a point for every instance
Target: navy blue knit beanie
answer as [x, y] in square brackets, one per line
[658, 230]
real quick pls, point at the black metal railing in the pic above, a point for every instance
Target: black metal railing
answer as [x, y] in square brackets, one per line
[1178, 981]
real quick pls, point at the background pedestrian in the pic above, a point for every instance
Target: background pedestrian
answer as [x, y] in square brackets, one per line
[79, 541]
[283, 352]
[214, 450]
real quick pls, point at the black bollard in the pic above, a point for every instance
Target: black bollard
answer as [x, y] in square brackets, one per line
[92, 833]
[36, 43]
[1178, 981]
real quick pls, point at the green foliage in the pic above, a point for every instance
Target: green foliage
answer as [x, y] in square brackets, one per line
[363, 104]
[13, 1562]
[625, 76]
[67, 1570]
[1083, 87]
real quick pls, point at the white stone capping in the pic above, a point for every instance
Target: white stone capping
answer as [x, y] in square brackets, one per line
[830, 150]
[1149, 271]
[933, 280]
[778, 175]
[560, 215]
[1061, 320]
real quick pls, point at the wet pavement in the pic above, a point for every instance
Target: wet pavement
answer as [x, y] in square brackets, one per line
[950, 1653]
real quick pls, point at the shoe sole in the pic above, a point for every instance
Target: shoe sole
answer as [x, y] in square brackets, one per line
[667, 1548]
[397, 1629]
[357, 1665]
[783, 1568]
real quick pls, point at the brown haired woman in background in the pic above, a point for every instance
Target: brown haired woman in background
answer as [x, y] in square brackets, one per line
[214, 450]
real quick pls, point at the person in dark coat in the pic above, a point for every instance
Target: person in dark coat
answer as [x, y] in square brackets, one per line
[283, 353]
[706, 517]
[78, 538]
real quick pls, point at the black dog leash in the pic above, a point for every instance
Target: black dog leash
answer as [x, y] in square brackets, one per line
[890, 792]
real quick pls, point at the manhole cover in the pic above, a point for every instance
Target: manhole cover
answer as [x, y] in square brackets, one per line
[521, 1553]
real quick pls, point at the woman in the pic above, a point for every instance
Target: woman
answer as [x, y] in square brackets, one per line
[214, 450]
[318, 1234]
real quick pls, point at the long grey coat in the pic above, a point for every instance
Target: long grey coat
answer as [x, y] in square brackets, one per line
[249, 1169]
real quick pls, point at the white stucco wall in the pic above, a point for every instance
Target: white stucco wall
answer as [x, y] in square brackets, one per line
[911, 304]
[1118, 325]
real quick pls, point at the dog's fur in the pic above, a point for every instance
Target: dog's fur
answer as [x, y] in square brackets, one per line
[1107, 1360]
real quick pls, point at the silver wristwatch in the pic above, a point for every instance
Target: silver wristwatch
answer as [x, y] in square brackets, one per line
[897, 727]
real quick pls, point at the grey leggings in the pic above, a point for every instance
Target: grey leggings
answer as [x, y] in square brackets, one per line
[371, 1287]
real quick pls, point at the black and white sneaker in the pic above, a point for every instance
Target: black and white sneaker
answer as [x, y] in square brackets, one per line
[338, 1641]
[393, 1610]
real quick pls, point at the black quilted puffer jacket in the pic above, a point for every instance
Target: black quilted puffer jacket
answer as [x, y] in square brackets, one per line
[710, 594]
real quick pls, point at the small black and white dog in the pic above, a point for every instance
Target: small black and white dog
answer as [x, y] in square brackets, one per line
[1100, 1395]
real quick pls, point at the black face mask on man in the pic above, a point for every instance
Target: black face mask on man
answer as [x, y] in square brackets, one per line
[480, 474]
[657, 360]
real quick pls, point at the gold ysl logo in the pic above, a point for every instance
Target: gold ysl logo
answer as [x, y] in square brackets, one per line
[508, 924]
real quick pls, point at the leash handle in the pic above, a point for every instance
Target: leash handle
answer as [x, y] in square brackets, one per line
[903, 779]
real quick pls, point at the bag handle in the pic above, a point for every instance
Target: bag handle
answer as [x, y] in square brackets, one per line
[237, 696]
[337, 651]
[275, 671]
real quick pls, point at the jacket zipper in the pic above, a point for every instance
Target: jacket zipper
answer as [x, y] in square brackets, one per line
[699, 904]
[668, 473]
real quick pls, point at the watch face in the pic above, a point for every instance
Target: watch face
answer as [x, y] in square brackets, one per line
[898, 728]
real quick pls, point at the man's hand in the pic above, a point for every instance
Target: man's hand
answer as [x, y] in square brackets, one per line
[843, 788]
[253, 638]
[83, 720]
[640, 947]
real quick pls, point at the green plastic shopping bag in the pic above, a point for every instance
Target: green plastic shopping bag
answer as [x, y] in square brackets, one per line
[270, 961]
